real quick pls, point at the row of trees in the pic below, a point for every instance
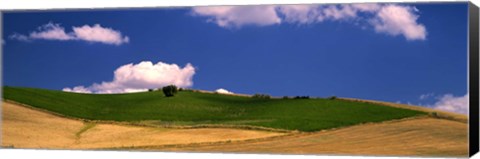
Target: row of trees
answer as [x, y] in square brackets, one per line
[266, 96]
[171, 90]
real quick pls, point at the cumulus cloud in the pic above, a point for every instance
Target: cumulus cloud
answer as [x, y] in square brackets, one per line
[302, 14]
[51, 31]
[78, 89]
[234, 16]
[451, 103]
[399, 20]
[223, 91]
[339, 12]
[98, 33]
[95, 33]
[140, 77]
[391, 19]
[366, 7]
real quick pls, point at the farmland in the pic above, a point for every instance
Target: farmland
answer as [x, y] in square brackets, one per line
[197, 121]
[195, 108]
[412, 137]
[28, 128]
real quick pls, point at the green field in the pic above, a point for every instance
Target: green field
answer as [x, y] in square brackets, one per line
[190, 108]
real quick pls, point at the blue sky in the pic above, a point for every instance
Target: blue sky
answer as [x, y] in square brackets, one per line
[409, 53]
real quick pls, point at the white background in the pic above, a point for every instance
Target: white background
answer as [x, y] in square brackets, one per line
[67, 154]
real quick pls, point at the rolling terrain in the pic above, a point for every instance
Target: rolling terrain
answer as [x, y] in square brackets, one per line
[23, 127]
[413, 137]
[195, 121]
[194, 108]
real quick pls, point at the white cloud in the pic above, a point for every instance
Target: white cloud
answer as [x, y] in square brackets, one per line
[19, 37]
[95, 33]
[140, 77]
[451, 103]
[366, 7]
[389, 19]
[98, 33]
[399, 20]
[339, 12]
[78, 89]
[302, 14]
[235, 16]
[425, 96]
[223, 91]
[51, 31]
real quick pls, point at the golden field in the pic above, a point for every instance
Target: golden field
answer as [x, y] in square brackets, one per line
[413, 137]
[23, 127]
[442, 135]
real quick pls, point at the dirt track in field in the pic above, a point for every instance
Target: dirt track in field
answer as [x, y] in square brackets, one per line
[23, 127]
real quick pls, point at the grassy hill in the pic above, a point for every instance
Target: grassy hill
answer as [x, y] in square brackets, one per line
[190, 108]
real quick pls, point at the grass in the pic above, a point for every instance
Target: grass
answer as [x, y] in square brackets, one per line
[199, 108]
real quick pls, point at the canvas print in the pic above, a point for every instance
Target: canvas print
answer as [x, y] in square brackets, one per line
[382, 79]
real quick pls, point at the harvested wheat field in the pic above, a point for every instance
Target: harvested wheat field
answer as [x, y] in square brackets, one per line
[413, 137]
[24, 127]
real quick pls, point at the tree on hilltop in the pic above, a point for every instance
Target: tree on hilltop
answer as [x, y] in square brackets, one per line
[170, 90]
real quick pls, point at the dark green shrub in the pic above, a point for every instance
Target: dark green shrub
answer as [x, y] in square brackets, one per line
[301, 97]
[261, 96]
[285, 97]
[170, 90]
[332, 97]
[151, 90]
